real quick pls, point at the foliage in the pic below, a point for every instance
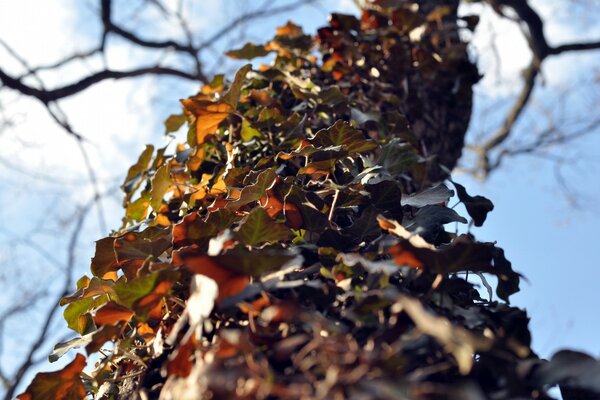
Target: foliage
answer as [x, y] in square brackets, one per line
[295, 245]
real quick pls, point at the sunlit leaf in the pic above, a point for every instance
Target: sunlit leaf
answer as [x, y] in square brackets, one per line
[161, 182]
[135, 171]
[258, 228]
[65, 384]
[174, 122]
[248, 52]
[111, 313]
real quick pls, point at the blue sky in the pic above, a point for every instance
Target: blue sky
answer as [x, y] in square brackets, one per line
[548, 240]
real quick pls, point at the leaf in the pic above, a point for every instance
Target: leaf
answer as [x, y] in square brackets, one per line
[463, 254]
[136, 170]
[236, 261]
[310, 211]
[104, 259]
[152, 241]
[254, 192]
[112, 313]
[248, 132]
[398, 158]
[248, 52]
[229, 282]
[289, 29]
[141, 294]
[400, 231]
[209, 116]
[439, 194]
[91, 288]
[138, 210]
[194, 230]
[65, 384]
[428, 221]
[258, 228]
[62, 348]
[342, 134]
[174, 122]
[161, 183]
[478, 206]
[233, 94]
[385, 195]
[75, 313]
[366, 226]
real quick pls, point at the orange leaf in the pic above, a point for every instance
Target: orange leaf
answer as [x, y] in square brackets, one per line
[153, 300]
[229, 282]
[60, 385]
[180, 361]
[290, 29]
[208, 115]
[111, 313]
[404, 257]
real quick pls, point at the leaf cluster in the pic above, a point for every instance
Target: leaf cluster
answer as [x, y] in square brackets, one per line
[293, 246]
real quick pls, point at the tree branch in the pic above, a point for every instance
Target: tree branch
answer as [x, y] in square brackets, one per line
[47, 96]
[541, 50]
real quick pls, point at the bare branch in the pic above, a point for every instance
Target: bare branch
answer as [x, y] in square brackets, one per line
[574, 47]
[541, 50]
[47, 96]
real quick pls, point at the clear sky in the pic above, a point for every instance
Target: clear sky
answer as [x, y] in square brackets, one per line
[41, 172]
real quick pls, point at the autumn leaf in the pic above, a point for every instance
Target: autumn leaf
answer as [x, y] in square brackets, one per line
[65, 384]
[132, 179]
[342, 134]
[248, 52]
[161, 182]
[111, 313]
[208, 115]
[174, 122]
[258, 228]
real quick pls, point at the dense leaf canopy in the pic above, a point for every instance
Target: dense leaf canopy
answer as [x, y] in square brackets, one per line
[294, 246]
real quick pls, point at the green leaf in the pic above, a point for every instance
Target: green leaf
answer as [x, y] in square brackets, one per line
[138, 210]
[248, 52]
[233, 94]
[248, 132]
[75, 312]
[130, 291]
[174, 122]
[258, 228]
[161, 182]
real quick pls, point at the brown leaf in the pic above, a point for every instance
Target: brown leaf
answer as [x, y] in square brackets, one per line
[111, 313]
[60, 385]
